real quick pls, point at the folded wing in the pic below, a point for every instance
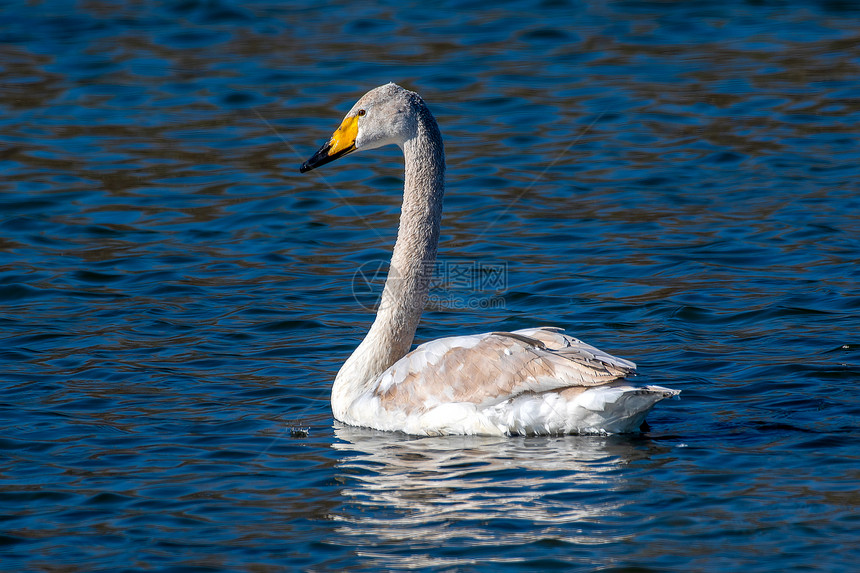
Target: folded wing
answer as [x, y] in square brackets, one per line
[487, 369]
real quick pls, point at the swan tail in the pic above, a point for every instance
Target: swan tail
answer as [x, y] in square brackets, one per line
[614, 409]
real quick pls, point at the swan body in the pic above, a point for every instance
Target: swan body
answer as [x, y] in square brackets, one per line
[532, 381]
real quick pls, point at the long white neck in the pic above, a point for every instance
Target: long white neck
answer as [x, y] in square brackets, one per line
[412, 262]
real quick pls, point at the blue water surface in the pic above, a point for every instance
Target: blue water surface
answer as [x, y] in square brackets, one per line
[674, 182]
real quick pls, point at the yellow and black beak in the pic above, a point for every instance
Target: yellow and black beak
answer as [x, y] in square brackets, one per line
[341, 143]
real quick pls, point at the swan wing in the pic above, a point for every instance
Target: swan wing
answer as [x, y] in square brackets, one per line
[486, 369]
[554, 339]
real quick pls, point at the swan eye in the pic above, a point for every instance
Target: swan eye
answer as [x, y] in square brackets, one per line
[361, 112]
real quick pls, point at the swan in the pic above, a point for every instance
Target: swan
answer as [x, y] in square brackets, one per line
[525, 382]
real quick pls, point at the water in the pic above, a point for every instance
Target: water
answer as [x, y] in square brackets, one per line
[674, 182]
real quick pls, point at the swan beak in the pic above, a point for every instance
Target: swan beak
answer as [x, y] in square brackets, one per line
[341, 143]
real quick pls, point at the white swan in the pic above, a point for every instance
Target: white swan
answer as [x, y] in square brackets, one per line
[533, 381]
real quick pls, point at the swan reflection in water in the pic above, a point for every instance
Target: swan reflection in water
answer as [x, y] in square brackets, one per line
[456, 500]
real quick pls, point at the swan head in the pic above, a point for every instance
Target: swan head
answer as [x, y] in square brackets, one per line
[385, 115]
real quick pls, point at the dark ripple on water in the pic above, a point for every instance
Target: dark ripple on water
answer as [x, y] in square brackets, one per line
[673, 182]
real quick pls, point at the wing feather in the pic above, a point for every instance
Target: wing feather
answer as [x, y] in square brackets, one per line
[487, 369]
